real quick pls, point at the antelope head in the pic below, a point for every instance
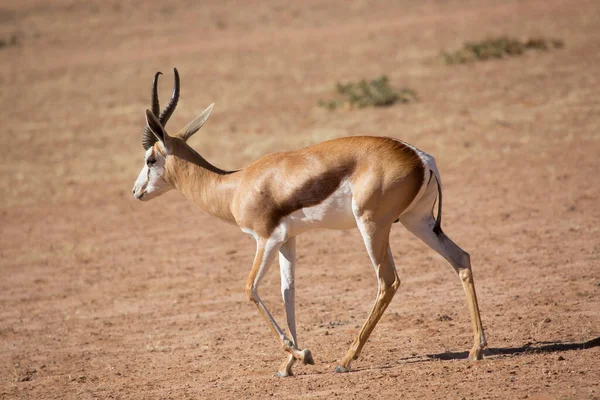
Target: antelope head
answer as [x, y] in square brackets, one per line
[159, 146]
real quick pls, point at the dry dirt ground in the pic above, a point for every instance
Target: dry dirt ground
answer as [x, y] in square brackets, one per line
[102, 296]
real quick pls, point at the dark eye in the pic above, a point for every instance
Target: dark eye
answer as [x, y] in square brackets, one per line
[150, 162]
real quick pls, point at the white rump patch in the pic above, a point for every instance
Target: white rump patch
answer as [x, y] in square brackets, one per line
[429, 165]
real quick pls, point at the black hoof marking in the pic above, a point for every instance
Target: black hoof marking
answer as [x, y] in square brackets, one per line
[308, 358]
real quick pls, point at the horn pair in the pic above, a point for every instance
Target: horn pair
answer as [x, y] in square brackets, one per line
[148, 138]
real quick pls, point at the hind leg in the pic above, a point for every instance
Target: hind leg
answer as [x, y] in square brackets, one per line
[376, 238]
[421, 225]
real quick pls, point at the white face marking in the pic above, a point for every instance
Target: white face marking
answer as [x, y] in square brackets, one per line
[150, 182]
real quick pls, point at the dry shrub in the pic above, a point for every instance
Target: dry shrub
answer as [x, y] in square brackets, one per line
[374, 93]
[498, 48]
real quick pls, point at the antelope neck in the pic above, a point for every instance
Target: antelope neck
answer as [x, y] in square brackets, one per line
[211, 188]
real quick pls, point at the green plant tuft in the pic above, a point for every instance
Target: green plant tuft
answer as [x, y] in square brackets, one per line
[498, 48]
[374, 93]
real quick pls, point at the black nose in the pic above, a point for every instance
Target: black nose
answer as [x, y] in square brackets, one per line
[133, 191]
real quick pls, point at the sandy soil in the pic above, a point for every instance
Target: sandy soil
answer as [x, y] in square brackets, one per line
[105, 297]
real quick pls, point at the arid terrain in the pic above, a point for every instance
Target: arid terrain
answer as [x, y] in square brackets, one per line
[105, 297]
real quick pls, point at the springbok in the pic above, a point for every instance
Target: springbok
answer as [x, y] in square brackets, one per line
[365, 181]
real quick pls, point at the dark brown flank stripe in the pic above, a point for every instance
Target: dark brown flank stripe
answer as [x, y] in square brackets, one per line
[317, 189]
[313, 192]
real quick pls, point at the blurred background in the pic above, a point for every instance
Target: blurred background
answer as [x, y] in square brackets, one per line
[102, 296]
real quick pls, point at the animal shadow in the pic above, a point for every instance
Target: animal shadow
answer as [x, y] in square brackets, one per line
[539, 347]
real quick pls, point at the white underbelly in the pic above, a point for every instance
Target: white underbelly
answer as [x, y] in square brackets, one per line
[335, 212]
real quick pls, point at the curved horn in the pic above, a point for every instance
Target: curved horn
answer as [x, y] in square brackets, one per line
[155, 103]
[168, 111]
[148, 138]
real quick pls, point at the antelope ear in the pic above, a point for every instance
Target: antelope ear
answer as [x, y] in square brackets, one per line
[196, 124]
[155, 127]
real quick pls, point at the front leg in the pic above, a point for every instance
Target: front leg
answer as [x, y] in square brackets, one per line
[287, 265]
[265, 252]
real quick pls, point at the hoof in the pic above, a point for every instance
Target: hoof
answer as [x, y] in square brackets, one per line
[476, 354]
[307, 357]
[283, 374]
[340, 370]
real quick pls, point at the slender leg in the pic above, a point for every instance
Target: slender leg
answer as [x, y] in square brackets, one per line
[422, 227]
[287, 261]
[264, 256]
[376, 238]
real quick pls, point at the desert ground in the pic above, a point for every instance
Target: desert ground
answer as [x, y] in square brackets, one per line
[106, 297]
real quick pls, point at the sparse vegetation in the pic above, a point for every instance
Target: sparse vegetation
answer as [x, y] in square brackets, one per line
[13, 40]
[374, 93]
[498, 48]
